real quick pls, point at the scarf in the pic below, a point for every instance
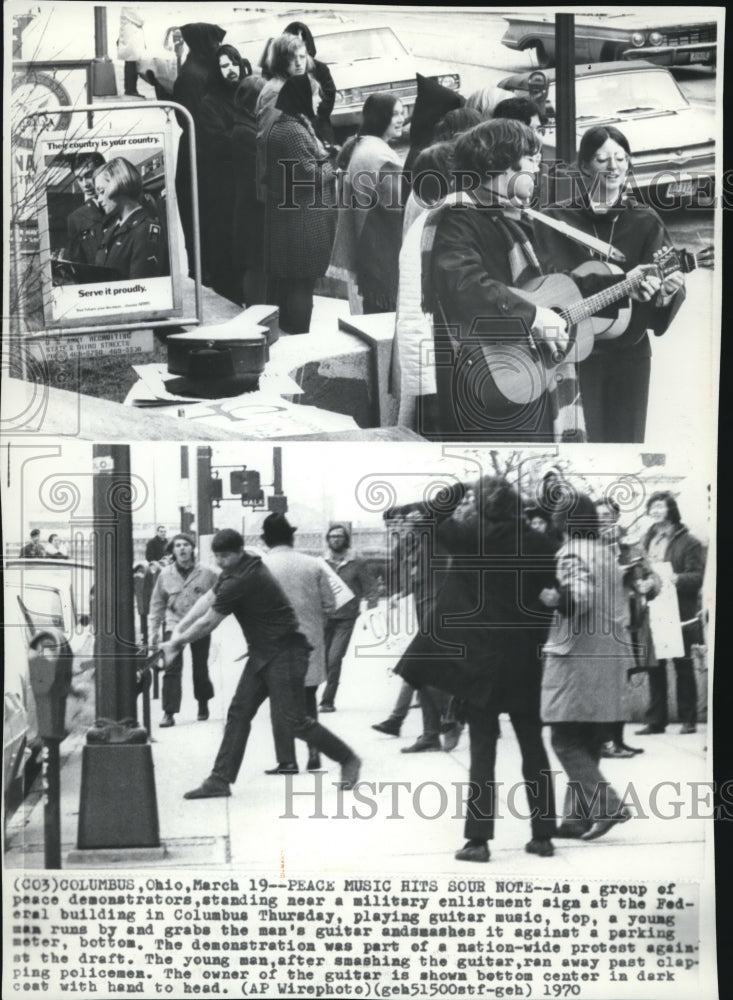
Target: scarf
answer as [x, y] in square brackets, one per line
[563, 390]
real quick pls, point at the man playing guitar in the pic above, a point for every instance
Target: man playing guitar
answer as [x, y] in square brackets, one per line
[479, 251]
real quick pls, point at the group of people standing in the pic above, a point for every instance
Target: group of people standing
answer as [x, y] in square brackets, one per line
[545, 618]
[281, 206]
[247, 125]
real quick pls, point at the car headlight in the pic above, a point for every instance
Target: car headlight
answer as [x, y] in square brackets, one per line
[451, 80]
[348, 97]
[637, 39]
[656, 38]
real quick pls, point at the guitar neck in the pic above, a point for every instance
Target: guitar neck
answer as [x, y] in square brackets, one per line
[585, 308]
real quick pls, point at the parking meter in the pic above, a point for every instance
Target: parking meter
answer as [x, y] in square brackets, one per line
[50, 669]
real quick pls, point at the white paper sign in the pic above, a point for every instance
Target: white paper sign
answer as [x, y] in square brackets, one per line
[664, 616]
[341, 591]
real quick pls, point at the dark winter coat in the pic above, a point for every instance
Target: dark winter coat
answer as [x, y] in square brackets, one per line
[189, 89]
[488, 626]
[249, 219]
[469, 278]
[216, 130]
[298, 238]
[687, 557]
[192, 81]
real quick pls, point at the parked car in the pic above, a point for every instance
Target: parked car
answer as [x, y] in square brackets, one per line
[670, 39]
[672, 140]
[46, 610]
[363, 60]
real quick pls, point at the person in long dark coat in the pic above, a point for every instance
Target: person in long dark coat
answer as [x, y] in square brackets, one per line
[488, 627]
[299, 175]
[322, 74]
[249, 211]
[191, 84]
[217, 117]
[433, 101]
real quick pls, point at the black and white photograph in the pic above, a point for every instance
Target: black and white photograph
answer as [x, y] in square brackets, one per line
[359, 439]
[105, 224]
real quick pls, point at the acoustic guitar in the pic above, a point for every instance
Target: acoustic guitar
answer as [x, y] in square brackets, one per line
[610, 328]
[522, 369]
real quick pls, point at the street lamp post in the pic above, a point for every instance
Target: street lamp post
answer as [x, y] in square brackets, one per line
[565, 90]
[118, 805]
[103, 71]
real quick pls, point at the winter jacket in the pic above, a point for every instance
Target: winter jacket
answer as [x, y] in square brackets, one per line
[589, 649]
[359, 579]
[687, 557]
[174, 595]
[487, 625]
[193, 79]
[306, 586]
[298, 239]
[369, 225]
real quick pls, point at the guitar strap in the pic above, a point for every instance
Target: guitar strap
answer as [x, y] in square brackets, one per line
[591, 242]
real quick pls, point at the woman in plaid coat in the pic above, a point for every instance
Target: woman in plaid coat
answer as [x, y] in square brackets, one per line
[299, 213]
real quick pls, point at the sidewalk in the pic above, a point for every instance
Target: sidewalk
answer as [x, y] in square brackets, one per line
[248, 831]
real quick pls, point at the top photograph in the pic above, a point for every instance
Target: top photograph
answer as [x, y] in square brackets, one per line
[362, 223]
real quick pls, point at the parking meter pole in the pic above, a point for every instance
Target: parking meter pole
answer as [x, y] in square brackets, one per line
[146, 701]
[52, 804]
[50, 669]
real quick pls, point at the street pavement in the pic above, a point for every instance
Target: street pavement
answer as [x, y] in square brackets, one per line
[252, 831]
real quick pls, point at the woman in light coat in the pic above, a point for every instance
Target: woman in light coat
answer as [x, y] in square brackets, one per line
[586, 657]
[369, 228]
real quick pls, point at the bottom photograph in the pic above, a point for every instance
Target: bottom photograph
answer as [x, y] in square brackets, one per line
[374, 721]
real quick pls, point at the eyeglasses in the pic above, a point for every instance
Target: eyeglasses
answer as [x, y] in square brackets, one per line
[539, 130]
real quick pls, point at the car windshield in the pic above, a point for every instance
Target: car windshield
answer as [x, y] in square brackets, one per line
[354, 46]
[625, 94]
